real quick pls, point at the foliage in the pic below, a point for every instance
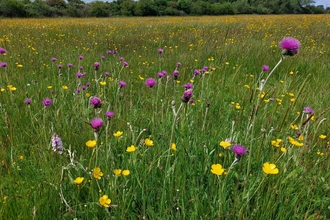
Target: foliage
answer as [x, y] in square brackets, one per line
[84, 135]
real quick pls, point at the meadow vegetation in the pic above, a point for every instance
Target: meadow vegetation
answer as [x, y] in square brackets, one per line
[164, 118]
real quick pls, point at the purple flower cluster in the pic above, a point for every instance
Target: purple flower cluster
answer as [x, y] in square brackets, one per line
[290, 46]
[2, 50]
[96, 123]
[150, 82]
[239, 150]
[186, 95]
[96, 102]
[308, 110]
[265, 68]
[47, 102]
[57, 144]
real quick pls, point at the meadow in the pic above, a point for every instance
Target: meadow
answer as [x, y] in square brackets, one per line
[164, 118]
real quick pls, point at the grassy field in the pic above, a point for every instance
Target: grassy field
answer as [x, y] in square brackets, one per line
[84, 133]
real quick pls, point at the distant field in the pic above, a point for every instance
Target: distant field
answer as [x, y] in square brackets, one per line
[164, 118]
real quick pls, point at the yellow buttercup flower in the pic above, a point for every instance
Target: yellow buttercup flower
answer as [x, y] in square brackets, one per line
[118, 134]
[125, 172]
[217, 169]
[102, 83]
[91, 143]
[97, 173]
[148, 142]
[117, 172]
[322, 136]
[270, 168]
[173, 146]
[105, 201]
[131, 148]
[65, 87]
[79, 180]
[225, 144]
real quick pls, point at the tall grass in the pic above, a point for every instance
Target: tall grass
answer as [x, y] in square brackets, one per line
[168, 176]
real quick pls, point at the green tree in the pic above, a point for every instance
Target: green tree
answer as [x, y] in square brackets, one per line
[12, 8]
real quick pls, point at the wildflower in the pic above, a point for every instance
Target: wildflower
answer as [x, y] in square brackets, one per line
[131, 148]
[118, 134]
[265, 68]
[3, 64]
[308, 110]
[78, 180]
[53, 59]
[117, 172]
[322, 136]
[102, 57]
[102, 83]
[160, 51]
[96, 65]
[91, 143]
[47, 102]
[70, 65]
[276, 143]
[122, 84]
[125, 172]
[196, 72]
[239, 150]
[59, 66]
[65, 87]
[173, 146]
[270, 168]
[290, 46]
[175, 74]
[283, 149]
[217, 169]
[28, 101]
[295, 142]
[224, 144]
[80, 57]
[97, 173]
[57, 144]
[2, 50]
[105, 201]
[294, 127]
[186, 95]
[79, 75]
[188, 86]
[109, 114]
[150, 82]
[121, 58]
[125, 64]
[96, 102]
[96, 123]
[148, 142]
[160, 75]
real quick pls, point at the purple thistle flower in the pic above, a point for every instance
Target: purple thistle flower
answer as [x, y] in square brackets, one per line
[160, 51]
[59, 66]
[160, 74]
[96, 65]
[290, 46]
[150, 82]
[109, 52]
[79, 75]
[175, 74]
[47, 102]
[109, 114]
[83, 87]
[70, 65]
[265, 68]
[122, 84]
[2, 50]
[308, 110]
[191, 101]
[57, 144]
[53, 59]
[114, 51]
[96, 102]
[28, 101]
[80, 57]
[186, 95]
[205, 68]
[178, 64]
[196, 72]
[77, 90]
[102, 57]
[239, 150]
[188, 86]
[96, 123]
[121, 58]
[164, 72]
[88, 84]
[81, 67]
[3, 64]
[125, 64]
[106, 73]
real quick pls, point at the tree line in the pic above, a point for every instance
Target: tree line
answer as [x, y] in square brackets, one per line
[78, 8]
